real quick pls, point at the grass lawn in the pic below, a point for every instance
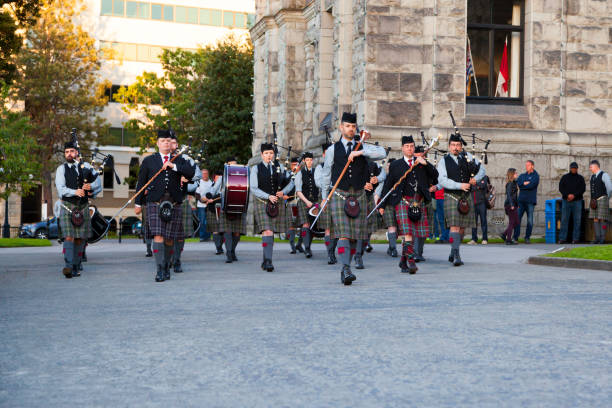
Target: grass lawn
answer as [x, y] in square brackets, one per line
[601, 253]
[23, 242]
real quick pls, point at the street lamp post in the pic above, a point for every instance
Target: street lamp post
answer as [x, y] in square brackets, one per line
[6, 228]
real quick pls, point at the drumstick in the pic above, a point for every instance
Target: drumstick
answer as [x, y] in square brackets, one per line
[147, 184]
[364, 136]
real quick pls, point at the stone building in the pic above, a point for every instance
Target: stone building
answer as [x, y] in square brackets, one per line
[401, 65]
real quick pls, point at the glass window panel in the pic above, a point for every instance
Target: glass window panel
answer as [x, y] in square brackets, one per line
[131, 9]
[479, 11]
[156, 11]
[143, 52]
[251, 20]
[129, 52]
[228, 19]
[114, 139]
[155, 52]
[240, 20]
[181, 14]
[479, 41]
[192, 15]
[512, 62]
[503, 11]
[107, 7]
[205, 16]
[118, 8]
[143, 10]
[215, 17]
[168, 13]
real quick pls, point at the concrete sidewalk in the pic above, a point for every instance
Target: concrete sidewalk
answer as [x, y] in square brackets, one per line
[496, 332]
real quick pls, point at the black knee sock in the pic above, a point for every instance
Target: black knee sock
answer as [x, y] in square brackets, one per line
[217, 240]
[159, 252]
[392, 240]
[168, 252]
[344, 252]
[68, 250]
[228, 238]
[235, 240]
[267, 242]
[176, 251]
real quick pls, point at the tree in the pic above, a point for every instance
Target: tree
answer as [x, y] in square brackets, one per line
[15, 15]
[59, 83]
[205, 94]
[18, 172]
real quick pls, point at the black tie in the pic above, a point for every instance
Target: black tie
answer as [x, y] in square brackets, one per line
[349, 148]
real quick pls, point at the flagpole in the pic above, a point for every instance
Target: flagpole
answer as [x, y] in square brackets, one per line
[473, 67]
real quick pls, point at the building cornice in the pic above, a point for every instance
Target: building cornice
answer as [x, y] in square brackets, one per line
[286, 16]
[264, 24]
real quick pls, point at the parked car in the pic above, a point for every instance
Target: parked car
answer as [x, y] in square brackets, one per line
[137, 229]
[40, 230]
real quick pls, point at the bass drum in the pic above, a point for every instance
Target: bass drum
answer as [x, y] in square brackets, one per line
[99, 225]
[235, 198]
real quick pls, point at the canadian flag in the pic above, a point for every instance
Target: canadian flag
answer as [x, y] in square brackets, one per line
[502, 79]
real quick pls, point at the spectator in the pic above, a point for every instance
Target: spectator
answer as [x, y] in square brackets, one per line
[572, 188]
[203, 188]
[527, 199]
[511, 205]
[481, 196]
[601, 189]
[439, 220]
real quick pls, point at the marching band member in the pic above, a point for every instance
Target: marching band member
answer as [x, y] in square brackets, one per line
[265, 182]
[308, 193]
[348, 225]
[324, 221]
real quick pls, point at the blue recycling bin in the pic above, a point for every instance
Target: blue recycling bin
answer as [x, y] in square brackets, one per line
[552, 216]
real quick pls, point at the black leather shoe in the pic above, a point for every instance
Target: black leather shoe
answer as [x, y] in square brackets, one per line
[234, 259]
[76, 269]
[457, 258]
[177, 267]
[332, 258]
[346, 276]
[359, 261]
[299, 248]
[369, 248]
[67, 272]
[149, 253]
[419, 258]
[219, 251]
[412, 268]
[159, 277]
[308, 253]
[269, 266]
[392, 252]
[403, 265]
[451, 257]
[167, 272]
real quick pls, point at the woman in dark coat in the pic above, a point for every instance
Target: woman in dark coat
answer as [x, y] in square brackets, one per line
[511, 205]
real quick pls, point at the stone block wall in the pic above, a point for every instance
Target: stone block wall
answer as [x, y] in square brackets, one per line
[400, 65]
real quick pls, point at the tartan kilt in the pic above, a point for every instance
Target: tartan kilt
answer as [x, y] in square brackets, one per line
[145, 224]
[66, 226]
[305, 217]
[324, 221]
[342, 226]
[172, 230]
[291, 221]
[602, 212]
[430, 215]
[452, 218]
[375, 222]
[263, 222]
[405, 226]
[232, 223]
[388, 218]
[212, 224]
[187, 219]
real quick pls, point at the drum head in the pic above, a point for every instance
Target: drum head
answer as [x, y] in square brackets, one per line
[99, 227]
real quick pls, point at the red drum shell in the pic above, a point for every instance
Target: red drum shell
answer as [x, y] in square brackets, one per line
[235, 189]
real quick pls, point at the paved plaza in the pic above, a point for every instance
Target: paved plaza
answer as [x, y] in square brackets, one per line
[496, 332]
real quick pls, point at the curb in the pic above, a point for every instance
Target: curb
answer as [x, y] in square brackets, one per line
[571, 263]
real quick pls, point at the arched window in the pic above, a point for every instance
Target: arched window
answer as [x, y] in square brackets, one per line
[494, 63]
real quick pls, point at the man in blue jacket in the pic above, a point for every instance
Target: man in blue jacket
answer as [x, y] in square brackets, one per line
[527, 200]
